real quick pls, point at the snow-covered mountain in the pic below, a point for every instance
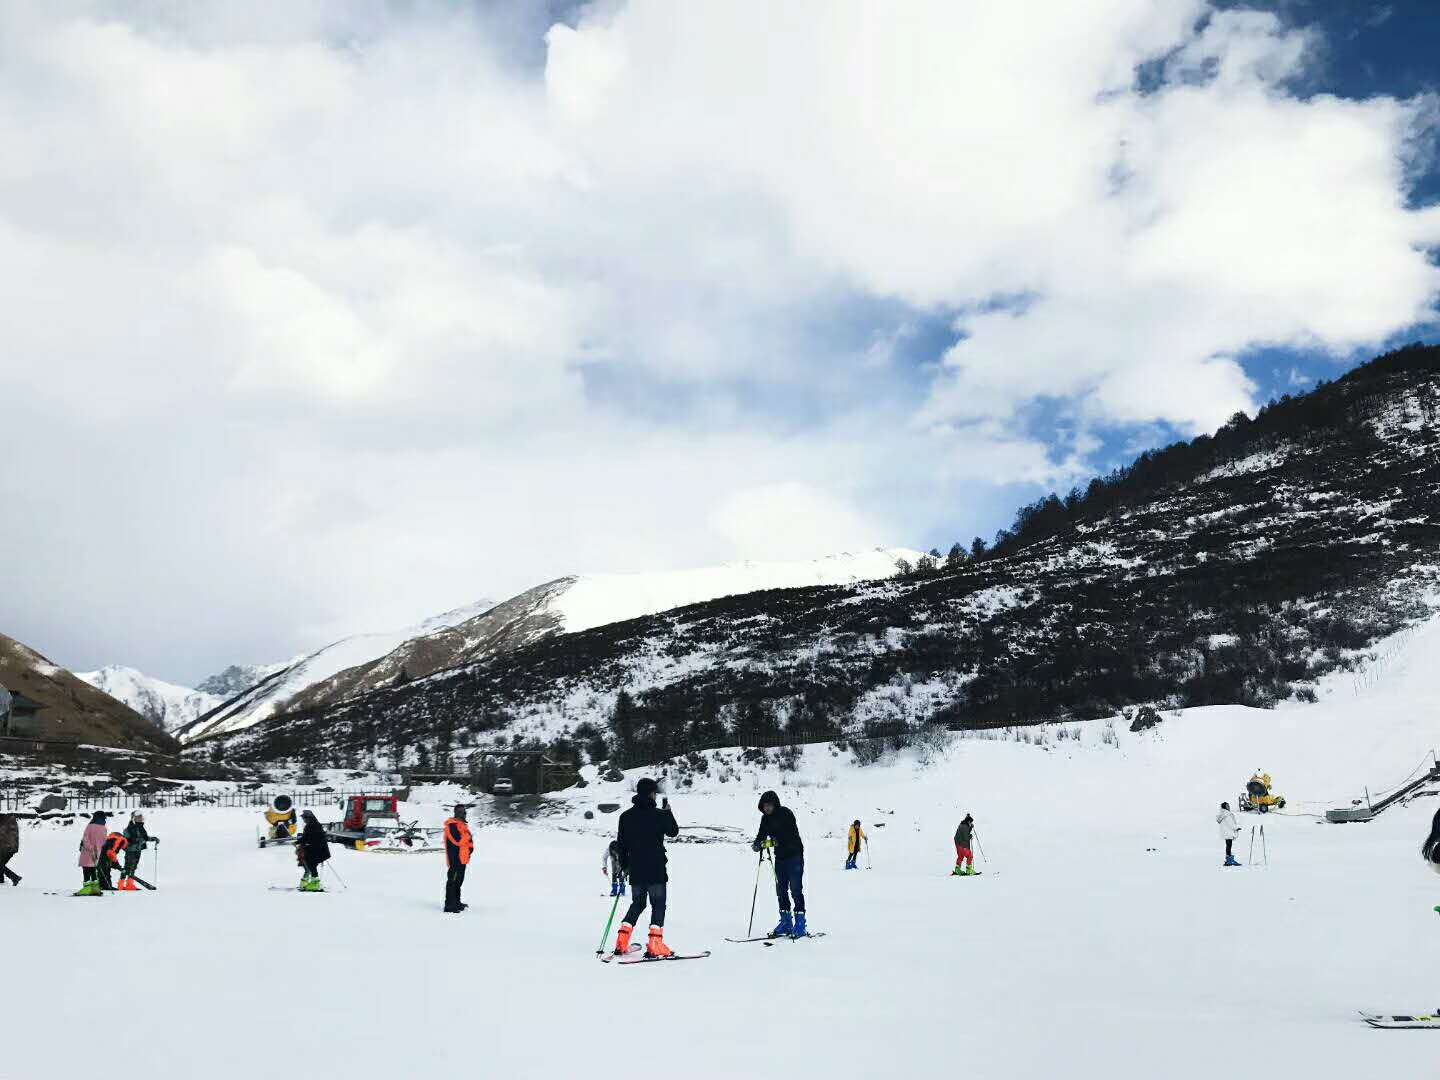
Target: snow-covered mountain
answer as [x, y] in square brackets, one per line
[571, 605]
[168, 705]
[237, 678]
[285, 681]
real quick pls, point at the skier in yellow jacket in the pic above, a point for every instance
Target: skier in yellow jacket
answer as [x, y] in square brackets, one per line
[857, 839]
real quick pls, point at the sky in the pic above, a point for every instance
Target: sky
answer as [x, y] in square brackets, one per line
[322, 316]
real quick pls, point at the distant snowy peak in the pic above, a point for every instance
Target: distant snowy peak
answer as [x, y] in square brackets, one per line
[166, 704]
[237, 678]
[278, 684]
[598, 599]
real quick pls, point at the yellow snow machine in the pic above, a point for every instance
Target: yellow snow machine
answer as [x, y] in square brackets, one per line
[280, 823]
[1259, 796]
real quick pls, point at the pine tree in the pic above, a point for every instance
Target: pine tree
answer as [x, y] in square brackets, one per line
[956, 558]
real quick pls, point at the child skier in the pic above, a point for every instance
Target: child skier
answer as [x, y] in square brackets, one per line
[92, 843]
[9, 847]
[311, 850]
[1229, 830]
[964, 853]
[115, 845]
[777, 825]
[643, 829]
[136, 839]
[613, 865]
[856, 839]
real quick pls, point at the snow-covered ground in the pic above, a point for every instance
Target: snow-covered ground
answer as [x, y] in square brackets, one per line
[1104, 939]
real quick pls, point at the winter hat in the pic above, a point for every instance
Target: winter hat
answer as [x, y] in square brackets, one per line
[460, 811]
[100, 818]
[646, 786]
[137, 816]
[309, 815]
[857, 821]
[1224, 806]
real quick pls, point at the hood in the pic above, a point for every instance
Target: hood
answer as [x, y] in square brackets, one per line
[769, 797]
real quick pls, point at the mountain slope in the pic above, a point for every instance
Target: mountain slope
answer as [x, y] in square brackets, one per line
[74, 709]
[166, 704]
[1236, 568]
[573, 604]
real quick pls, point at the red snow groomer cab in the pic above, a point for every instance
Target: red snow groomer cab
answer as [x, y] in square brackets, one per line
[372, 823]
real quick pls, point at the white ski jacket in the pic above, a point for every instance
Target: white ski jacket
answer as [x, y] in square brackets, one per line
[1229, 827]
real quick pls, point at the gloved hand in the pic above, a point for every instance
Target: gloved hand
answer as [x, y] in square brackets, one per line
[756, 846]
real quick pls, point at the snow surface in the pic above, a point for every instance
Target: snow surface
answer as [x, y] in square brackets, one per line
[167, 704]
[1103, 940]
[599, 599]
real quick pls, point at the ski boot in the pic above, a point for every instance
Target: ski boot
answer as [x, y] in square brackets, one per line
[311, 884]
[800, 930]
[785, 927]
[1230, 860]
[622, 939]
[622, 888]
[90, 888]
[614, 888]
[959, 871]
[655, 948]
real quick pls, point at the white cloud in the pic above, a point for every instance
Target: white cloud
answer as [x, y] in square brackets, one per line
[324, 316]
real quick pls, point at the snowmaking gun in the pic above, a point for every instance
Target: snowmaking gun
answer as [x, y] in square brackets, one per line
[1258, 796]
[372, 823]
[280, 823]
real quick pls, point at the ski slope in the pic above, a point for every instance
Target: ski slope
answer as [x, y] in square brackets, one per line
[1104, 938]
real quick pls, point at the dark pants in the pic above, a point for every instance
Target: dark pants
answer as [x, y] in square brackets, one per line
[642, 894]
[89, 872]
[132, 863]
[789, 883]
[312, 869]
[103, 873]
[5, 857]
[1229, 845]
[454, 879]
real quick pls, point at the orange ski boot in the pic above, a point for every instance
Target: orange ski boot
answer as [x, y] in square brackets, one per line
[656, 949]
[622, 939]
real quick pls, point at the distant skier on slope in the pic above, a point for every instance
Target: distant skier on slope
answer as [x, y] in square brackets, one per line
[854, 842]
[9, 846]
[1229, 830]
[92, 843]
[777, 825]
[136, 839]
[459, 844]
[613, 864]
[964, 850]
[311, 850]
[642, 833]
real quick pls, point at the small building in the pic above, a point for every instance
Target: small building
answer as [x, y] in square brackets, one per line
[20, 718]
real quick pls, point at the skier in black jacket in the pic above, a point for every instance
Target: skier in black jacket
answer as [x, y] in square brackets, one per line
[643, 829]
[137, 839]
[312, 849]
[778, 828]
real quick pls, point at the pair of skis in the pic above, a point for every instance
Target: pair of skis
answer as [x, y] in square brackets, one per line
[771, 939]
[1396, 1021]
[636, 956]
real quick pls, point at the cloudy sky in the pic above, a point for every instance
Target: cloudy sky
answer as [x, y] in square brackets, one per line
[324, 316]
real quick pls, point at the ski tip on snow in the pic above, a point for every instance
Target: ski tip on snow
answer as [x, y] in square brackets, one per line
[1393, 1021]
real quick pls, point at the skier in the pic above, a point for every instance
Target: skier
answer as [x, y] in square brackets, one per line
[137, 839]
[856, 839]
[311, 850]
[9, 846]
[964, 853]
[777, 826]
[115, 845]
[91, 843]
[614, 865]
[1229, 830]
[458, 846]
[641, 840]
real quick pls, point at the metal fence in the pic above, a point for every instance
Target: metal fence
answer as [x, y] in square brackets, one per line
[12, 800]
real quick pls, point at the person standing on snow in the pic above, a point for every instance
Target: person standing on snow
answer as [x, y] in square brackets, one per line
[964, 851]
[641, 839]
[92, 843]
[613, 865]
[1430, 849]
[136, 839]
[311, 849]
[9, 846]
[1229, 830]
[852, 847]
[458, 846]
[115, 845]
[777, 826]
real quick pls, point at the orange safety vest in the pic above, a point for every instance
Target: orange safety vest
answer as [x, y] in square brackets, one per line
[460, 839]
[114, 844]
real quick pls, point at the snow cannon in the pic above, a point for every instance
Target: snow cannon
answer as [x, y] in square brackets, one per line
[280, 822]
[1258, 796]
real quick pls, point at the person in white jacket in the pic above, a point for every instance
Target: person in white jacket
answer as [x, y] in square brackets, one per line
[1229, 830]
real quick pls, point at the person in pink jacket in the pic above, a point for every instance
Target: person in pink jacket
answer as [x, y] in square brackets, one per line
[91, 845]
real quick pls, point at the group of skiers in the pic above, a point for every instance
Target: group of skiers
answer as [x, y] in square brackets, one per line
[102, 852]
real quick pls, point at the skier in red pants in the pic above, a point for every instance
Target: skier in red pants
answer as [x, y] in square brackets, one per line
[964, 856]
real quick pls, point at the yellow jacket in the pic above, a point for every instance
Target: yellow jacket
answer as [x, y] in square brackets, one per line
[857, 837]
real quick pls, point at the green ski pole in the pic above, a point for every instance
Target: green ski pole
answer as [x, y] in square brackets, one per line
[605, 934]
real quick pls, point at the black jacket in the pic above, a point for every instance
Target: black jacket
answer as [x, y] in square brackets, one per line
[137, 836]
[312, 841]
[780, 827]
[643, 829]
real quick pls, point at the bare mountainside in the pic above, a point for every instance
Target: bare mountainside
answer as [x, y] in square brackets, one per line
[1235, 568]
[73, 709]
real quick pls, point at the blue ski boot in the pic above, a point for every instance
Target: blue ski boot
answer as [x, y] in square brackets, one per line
[786, 926]
[1230, 860]
[800, 930]
[622, 888]
[614, 888]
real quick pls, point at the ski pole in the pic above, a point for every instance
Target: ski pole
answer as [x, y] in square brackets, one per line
[1251, 857]
[335, 874]
[605, 934]
[868, 864]
[156, 861]
[981, 848]
[1264, 849]
[755, 895]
